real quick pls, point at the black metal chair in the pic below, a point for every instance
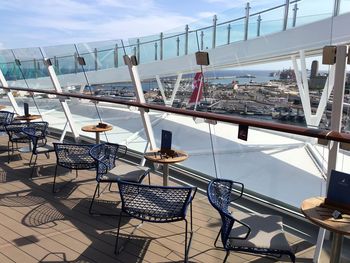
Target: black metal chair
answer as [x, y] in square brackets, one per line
[37, 147]
[6, 117]
[156, 204]
[108, 171]
[258, 234]
[16, 135]
[73, 157]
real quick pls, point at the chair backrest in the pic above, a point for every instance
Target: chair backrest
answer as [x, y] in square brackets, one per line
[15, 131]
[6, 117]
[31, 133]
[40, 128]
[155, 203]
[219, 195]
[105, 155]
[74, 156]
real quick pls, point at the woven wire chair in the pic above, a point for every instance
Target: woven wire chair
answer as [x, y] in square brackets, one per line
[16, 135]
[37, 147]
[259, 234]
[108, 171]
[157, 204]
[74, 157]
[6, 117]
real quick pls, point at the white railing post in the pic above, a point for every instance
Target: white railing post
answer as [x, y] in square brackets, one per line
[58, 88]
[258, 26]
[161, 46]
[246, 23]
[215, 19]
[186, 39]
[9, 93]
[337, 112]
[228, 34]
[336, 7]
[116, 56]
[295, 11]
[135, 79]
[286, 13]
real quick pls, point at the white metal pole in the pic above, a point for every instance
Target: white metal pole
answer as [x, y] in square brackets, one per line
[9, 93]
[135, 78]
[336, 120]
[64, 104]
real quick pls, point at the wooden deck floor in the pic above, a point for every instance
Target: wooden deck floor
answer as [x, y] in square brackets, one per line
[38, 226]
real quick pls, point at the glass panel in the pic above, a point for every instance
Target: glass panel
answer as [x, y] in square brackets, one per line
[307, 12]
[344, 6]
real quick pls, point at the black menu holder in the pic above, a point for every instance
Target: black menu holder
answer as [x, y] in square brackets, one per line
[165, 146]
[26, 109]
[338, 194]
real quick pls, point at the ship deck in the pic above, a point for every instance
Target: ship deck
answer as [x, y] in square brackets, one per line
[38, 226]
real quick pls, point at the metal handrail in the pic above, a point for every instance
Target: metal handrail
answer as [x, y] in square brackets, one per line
[304, 131]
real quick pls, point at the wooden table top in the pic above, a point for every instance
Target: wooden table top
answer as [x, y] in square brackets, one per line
[155, 156]
[316, 212]
[2, 107]
[27, 118]
[95, 128]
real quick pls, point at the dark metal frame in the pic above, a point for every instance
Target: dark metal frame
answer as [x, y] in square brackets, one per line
[105, 156]
[142, 202]
[219, 191]
[32, 134]
[74, 157]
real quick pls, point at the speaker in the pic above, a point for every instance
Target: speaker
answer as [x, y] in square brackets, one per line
[134, 61]
[81, 61]
[26, 109]
[202, 58]
[165, 144]
[48, 62]
[243, 132]
[328, 56]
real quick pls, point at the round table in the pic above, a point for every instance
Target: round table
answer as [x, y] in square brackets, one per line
[96, 129]
[27, 118]
[321, 215]
[156, 157]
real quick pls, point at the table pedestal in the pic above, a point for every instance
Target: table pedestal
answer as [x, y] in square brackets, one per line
[337, 243]
[165, 174]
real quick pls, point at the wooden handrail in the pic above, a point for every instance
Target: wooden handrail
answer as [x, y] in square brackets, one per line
[315, 133]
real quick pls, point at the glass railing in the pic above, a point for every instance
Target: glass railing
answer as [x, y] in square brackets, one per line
[230, 27]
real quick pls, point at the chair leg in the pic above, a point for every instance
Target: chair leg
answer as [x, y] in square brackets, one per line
[76, 174]
[8, 151]
[110, 187]
[216, 239]
[93, 198]
[54, 180]
[227, 254]
[33, 167]
[116, 251]
[292, 257]
[30, 161]
[149, 178]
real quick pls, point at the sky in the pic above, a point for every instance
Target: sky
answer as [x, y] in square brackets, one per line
[34, 23]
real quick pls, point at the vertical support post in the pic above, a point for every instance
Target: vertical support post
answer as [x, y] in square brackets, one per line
[337, 111]
[66, 110]
[135, 79]
[75, 62]
[134, 49]
[161, 46]
[116, 56]
[161, 88]
[177, 46]
[228, 34]
[336, 7]
[186, 39]
[95, 58]
[202, 40]
[138, 50]
[295, 11]
[35, 68]
[9, 93]
[155, 51]
[215, 19]
[286, 13]
[258, 26]
[246, 23]
[176, 87]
